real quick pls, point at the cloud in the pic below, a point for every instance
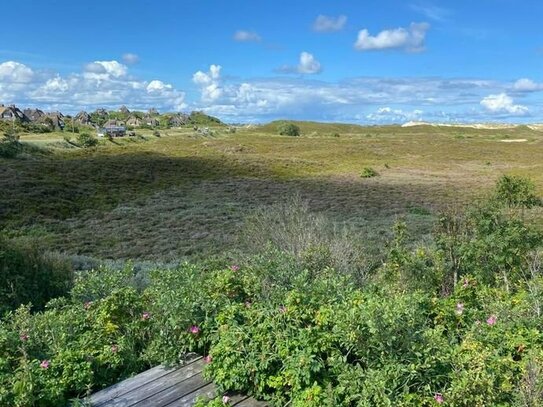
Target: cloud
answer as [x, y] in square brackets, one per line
[411, 39]
[308, 65]
[503, 104]
[56, 85]
[113, 68]
[246, 36]
[95, 67]
[130, 59]
[327, 24]
[100, 84]
[357, 99]
[15, 72]
[209, 83]
[158, 86]
[352, 100]
[432, 12]
[388, 114]
[527, 85]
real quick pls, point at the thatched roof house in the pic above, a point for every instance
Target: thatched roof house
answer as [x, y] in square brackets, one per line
[113, 123]
[124, 110]
[150, 121]
[33, 114]
[134, 121]
[83, 118]
[12, 113]
[178, 120]
[54, 120]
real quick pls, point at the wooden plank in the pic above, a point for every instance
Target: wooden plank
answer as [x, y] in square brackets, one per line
[236, 398]
[208, 391]
[130, 384]
[251, 402]
[175, 392]
[148, 389]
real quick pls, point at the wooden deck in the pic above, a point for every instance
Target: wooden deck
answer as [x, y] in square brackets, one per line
[161, 387]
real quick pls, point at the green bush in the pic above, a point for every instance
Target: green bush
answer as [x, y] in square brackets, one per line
[29, 276]
[86, 140]
[288, 129]
[516, 192]
[316, 242]
[368, 172]
[10, 145]
[271, 328]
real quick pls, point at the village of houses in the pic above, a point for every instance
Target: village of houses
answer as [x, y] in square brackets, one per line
[101, 120]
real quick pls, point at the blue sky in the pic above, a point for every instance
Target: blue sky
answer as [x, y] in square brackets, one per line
[354, 61]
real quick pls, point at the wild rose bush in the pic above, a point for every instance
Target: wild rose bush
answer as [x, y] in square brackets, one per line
[380, 348]
[316, 339]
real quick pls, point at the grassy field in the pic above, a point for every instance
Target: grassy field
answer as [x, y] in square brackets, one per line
[184, 194]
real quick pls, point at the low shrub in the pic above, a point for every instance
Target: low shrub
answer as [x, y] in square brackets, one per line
[316, 242]
[10, 146]
[29, 276]
[86, 140]
[288, 129]
[516, 192]
[368, 172]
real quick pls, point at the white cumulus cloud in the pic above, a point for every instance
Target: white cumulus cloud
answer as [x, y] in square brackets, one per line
[108, 68]
[527, 85]
[246, 36]
[100, 84]
[308, 64]
[158, 86]
[56, 84]
[15, 72]
[209, 83]
[409, 39]
[503, 104]
[326, 24]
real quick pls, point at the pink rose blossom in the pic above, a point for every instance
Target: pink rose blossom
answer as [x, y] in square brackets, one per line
[194, 329]
[24, 337]
[491, 320]
[234, 267]
[145, 316]
[225, 399]
[44, 364]
[208, 359]
[114, 348]
[466, 283]
[438, 397]
[248, 304]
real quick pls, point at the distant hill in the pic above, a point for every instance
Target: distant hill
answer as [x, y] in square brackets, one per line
[308, 127]
[202, 119]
